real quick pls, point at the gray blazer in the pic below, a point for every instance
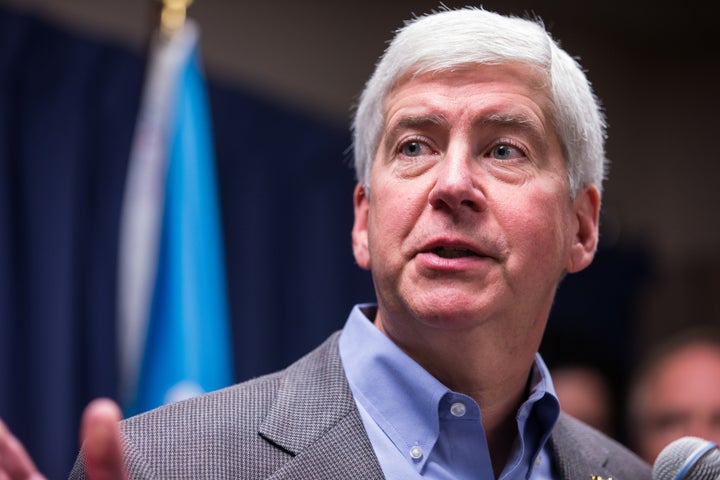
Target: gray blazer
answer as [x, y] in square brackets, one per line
[302, 423]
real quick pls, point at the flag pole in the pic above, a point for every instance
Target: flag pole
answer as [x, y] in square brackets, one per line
[172, 16]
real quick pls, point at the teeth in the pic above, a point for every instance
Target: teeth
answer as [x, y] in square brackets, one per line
[447, 252]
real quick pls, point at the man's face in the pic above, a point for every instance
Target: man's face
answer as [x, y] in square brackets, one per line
[682, 398]
[469, 219]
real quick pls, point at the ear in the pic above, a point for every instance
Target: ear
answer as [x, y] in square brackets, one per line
[360, 227]
[586, 207]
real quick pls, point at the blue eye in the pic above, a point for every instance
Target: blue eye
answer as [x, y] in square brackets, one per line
[412, 149]
[504, 151]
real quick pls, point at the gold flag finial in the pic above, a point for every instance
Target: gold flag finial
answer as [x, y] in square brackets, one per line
[172, 17]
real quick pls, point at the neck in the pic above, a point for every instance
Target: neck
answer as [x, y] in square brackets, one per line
[491, 367]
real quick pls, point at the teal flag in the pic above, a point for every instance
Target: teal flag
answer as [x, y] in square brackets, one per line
[174, 332]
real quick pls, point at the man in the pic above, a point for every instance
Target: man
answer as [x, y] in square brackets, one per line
[677, 393]
[479, 155]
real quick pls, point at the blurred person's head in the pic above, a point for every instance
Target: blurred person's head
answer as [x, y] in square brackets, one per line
[585, 393]
[676, 393]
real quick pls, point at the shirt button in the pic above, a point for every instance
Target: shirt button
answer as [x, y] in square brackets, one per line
[458, 409]
[416, 452]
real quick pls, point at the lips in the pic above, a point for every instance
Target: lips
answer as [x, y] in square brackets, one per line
[445, 255]
[453, 252]
[454, 248]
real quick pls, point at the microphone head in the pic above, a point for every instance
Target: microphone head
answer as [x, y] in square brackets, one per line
[688, 458]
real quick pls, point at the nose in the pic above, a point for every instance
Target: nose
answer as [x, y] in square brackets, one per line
[456, 184]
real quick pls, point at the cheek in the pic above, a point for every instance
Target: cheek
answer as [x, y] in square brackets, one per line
[388, 226]
[383, 230]
[396, 211]
[537, 227]
[393, 229]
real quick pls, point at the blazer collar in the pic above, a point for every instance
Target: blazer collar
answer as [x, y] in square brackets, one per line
[314, 418]
[575, 455]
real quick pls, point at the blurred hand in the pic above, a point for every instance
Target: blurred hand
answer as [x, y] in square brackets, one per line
[15, 463]
[99, 436]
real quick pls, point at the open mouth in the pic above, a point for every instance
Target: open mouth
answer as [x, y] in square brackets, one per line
[449, 252]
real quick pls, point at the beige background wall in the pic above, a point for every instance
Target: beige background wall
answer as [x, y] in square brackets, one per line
[656, 70]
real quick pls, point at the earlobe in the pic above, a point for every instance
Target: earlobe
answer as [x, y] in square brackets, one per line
[587, 213]
[359, 231]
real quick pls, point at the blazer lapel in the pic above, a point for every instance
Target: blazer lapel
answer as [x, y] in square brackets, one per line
[314, 418]
[575, 456]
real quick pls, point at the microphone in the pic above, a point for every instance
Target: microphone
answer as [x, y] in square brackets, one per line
[688, 458]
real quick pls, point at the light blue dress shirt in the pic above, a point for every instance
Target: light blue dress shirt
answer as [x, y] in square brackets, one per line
[420, 429]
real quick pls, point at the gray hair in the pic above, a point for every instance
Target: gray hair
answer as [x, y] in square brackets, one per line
[448, 39]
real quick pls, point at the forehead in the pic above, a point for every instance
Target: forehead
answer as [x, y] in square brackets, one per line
[700, 357]
[688, 375]
[473, 89]
[509, 98]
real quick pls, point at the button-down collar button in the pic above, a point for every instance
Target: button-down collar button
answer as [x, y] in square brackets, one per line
[458, 409]
[416, 453]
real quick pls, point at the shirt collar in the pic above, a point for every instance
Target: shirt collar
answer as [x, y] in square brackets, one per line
[400, 396]
[536, 418]
[404, 399]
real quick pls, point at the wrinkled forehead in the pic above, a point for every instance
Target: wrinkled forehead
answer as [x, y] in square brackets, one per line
[537, 76]
[534, 78]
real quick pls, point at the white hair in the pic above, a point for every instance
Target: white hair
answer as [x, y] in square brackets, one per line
[448, 39]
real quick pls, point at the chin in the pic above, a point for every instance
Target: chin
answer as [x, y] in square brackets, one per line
[448, 315]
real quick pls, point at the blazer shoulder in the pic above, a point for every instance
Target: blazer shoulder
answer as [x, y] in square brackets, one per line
[221, 434]
[247, 400]
[581, 451]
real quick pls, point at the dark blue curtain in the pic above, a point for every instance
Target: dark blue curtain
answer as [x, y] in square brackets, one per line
[67, 114]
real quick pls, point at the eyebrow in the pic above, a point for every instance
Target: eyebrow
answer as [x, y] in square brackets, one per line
[417, 122]
[519, 121]
[527, 125]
